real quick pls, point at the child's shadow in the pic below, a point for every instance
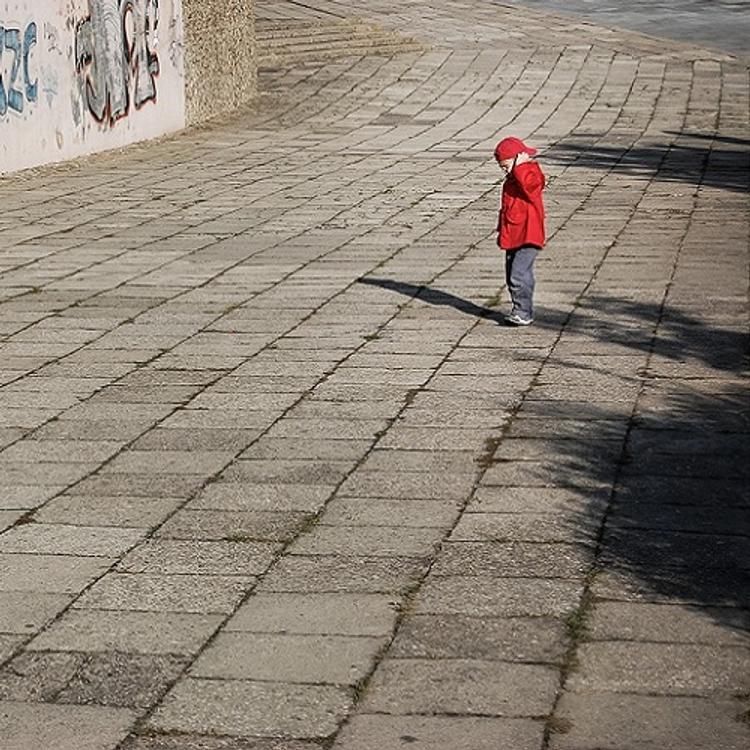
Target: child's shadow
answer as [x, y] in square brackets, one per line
[435, 297]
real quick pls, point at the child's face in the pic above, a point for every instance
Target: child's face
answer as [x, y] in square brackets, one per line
[506, 164]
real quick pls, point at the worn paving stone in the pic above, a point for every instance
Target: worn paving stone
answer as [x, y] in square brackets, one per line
[670, 624]
[382, 732]
[489, 596]
[517, 527]
[35, 725]
[594, 720]
[135, 632]
[96, 510]
[241, 526]
[201, 594]
[182, 557]
[25, 612]
[22, 497]
[460, 686]
[52, 574]
[247, 709]
[284, 471]
[367, 540]
[202, 463]
[459, 637]
[278, 657]
[141, 485]
[321, 450]
[336, 573]
[205, 742]
[358, 511]
[323, 614]
[9, 644]
[662, 668]
[115, 679]
[37, 676]
[554, 560]
[702, 587]
[267, 497]
[412, 485]
[9, 517]
[211, 440]
[62, 539]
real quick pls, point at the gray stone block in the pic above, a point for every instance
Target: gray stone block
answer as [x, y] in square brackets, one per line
[266, 497]
[594, 720]
[382, 732]
[179, 557]
[329, 574]
[461, 686]
[61, 574]
[242, 526]
[37, 676]
[380, 541]
[134, 632]
[662, 668]
[275, 657]
[248, 709]
[625, 621]
[23, 497]
[410, 485]
[534, 639]
[203, 463]
[552, 560]
[29, 726]
[358, 511]
[323, 614]
[206, 742]
[135, 681]
[202, 594]
[24, 612]
[95, 510]
[486, 596]
[62, 539]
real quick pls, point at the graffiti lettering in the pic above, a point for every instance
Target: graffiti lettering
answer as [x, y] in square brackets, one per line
[19, 49]
[108, 59]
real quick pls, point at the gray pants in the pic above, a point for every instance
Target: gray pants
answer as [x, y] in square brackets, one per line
[519, 275]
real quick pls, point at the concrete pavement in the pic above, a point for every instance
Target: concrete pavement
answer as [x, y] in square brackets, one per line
[274, 477]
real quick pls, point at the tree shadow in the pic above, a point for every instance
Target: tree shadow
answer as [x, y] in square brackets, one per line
[677, 470]
[678, 527]
[725, 168]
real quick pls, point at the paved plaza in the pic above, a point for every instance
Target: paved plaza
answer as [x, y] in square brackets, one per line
[275, 476]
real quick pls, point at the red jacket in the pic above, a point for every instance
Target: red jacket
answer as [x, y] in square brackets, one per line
[521, 210]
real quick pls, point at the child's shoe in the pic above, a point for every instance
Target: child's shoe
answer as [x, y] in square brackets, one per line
[516, 319]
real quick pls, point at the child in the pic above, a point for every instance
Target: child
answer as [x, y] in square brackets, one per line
[521, 224]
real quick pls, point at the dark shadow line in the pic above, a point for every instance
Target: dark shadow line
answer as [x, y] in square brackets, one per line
[434, 297]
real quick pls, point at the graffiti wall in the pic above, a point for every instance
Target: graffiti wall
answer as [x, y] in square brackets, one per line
[79, 76]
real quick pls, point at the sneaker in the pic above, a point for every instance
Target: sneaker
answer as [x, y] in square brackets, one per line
[516, 319]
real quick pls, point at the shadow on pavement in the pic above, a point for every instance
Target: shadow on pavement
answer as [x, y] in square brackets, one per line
[434, 297]
[679, 523]
[679, 527]
[725, 168]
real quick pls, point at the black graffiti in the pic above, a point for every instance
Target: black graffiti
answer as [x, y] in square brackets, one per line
[110, 62]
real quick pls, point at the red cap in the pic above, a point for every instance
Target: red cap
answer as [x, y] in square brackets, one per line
[510, 147]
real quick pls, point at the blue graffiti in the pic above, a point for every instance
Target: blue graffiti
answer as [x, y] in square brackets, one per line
[19, 49]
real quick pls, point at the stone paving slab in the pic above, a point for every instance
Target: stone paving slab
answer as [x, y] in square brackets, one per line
[260, 421]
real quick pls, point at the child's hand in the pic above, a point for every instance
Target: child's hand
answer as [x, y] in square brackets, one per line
[522, 158]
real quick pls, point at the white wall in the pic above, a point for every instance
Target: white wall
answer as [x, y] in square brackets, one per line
[78, 76]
